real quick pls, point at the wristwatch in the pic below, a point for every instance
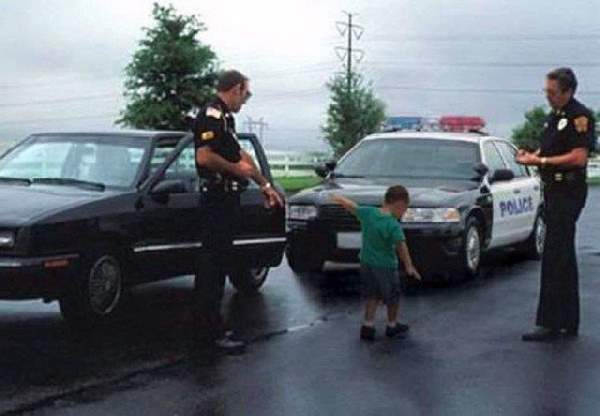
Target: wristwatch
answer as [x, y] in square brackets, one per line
[543, 161]
[266, 186]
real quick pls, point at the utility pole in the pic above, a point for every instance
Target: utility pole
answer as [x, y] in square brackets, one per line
[351, 31]
[260, 123]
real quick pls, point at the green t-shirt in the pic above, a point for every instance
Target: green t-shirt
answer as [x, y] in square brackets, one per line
[380, 234]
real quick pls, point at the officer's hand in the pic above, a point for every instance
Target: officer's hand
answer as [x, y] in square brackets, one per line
[272, 198]
[244, 169]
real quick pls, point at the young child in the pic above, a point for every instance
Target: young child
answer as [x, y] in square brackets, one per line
[383, 242]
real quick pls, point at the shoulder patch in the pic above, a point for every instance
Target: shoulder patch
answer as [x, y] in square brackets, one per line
[213, 112]
[581, 124]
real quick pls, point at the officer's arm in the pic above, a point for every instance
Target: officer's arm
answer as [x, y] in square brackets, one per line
[207, 158]
[256, 175]
[575, 158]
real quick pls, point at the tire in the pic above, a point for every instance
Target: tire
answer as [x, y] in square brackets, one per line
[249, 281]
[533, 247]
[471, 250]
[303, 262]
[93, 296]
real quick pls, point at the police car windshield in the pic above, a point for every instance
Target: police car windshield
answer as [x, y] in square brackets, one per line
[69, 160]
[410, 158]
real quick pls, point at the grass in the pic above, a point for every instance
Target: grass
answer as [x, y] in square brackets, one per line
[292, 185]
[593, 181]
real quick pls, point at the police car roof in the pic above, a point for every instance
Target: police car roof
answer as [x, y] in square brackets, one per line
[434, 135]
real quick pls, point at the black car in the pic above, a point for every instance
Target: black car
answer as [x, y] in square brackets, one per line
[467, 195]
[85, 215]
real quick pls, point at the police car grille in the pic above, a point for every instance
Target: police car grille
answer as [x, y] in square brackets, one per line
[337, 217]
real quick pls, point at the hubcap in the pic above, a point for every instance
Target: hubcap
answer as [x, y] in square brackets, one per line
[540, 235]
[105, 285]
[473, 249]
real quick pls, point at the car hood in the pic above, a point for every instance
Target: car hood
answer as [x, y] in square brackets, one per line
[423, 192]
[21, 204]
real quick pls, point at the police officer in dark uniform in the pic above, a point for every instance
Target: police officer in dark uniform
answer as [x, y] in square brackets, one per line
[562, 158]
[224, 169]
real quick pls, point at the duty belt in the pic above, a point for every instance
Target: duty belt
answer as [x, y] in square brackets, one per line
[562, 177]
[225, 185]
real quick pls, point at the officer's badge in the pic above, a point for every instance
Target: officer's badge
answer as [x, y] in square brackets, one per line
[207, 135]
[213, 112]
[581, 124]
[562, 123]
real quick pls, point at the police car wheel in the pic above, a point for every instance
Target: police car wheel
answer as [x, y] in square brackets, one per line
[533, 247]
[307, 263]
[93, 296]
[470, 254]
[249, 281]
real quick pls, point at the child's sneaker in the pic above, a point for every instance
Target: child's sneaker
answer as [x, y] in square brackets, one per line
[367, 333]
[397, 331]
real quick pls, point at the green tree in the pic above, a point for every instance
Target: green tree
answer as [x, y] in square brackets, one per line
[170, 73]
[352, 114]
[529, 134]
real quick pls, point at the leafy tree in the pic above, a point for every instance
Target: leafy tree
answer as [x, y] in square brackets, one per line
[529, 134]
[170, 73]
[353, 112]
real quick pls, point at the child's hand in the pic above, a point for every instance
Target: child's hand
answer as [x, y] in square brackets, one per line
[334, 198]
[412, 272]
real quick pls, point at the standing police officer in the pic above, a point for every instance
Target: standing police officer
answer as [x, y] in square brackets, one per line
[562, 158]
[225, 169]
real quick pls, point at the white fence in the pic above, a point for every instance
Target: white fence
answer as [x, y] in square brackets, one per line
[286, 164]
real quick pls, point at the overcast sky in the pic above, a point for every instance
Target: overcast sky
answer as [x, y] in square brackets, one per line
[62, 60]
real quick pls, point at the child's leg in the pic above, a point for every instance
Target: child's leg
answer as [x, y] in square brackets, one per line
[392, 314]
[370, 311]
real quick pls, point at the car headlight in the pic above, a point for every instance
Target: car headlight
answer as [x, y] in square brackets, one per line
[7, 239]
[302, 212]
[431, 215]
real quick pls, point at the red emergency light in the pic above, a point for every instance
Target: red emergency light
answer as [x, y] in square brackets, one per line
[461, 123]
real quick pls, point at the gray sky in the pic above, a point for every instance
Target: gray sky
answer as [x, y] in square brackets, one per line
[63, 60]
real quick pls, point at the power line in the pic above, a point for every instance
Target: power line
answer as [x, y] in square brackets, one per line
[43, 120]
[475, 90]
[488, 38]
[590, 64]
[59, 100]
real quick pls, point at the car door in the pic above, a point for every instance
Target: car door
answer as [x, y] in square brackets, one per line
[167, 243]
[527, 194]
[502, 192]
[261, 238]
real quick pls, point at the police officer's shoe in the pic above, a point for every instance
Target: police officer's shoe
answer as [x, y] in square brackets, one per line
[367, 333]
[230, 346]
[396, 331]
[542, 335]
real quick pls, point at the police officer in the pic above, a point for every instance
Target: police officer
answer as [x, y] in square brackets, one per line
[562, 158]
[224, 169]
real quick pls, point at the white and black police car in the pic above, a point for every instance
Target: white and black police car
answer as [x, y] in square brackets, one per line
[468, 195]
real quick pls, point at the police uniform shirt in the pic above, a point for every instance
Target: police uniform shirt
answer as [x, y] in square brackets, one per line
[570, 128]
[215, 128]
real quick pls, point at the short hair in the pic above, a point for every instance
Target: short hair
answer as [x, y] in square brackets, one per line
[229, 79]
[395, 194]
[565, 77]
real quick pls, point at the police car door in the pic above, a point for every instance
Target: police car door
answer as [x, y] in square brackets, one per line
[524, 205]
[502, 191]
[261, 240]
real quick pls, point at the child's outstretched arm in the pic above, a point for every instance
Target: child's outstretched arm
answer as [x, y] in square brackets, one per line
[348, 204]
[404, 255]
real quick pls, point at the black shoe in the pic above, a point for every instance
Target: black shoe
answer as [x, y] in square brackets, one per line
[571, 332]
[542, 335]
[367, 333]
[230, 346]
[397, 331]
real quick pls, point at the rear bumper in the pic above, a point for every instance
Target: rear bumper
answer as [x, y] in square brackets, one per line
[435, 248]
[35, 277]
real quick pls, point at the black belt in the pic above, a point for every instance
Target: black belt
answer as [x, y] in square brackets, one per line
[223, 185]
[563, 177]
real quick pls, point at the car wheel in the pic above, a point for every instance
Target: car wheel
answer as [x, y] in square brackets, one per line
[306, 262]
[93, 296]
[249, 281]
[471, 249]
[533, 247]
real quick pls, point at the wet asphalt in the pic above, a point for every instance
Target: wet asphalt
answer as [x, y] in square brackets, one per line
[463, 355]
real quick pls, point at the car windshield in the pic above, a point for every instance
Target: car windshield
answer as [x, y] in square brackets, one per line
[410, 158]
[70, 160]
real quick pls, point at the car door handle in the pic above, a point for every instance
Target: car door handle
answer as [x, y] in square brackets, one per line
[517, 191]
[536, 188]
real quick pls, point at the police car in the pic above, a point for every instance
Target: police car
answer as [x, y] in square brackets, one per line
[468, 195]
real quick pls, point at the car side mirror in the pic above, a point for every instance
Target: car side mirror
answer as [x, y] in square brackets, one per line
[324, 169]
[502, 175]
[481, 169]
[164, 188]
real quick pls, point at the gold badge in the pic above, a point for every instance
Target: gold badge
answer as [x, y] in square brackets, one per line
[581, 124]
[207, 135]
